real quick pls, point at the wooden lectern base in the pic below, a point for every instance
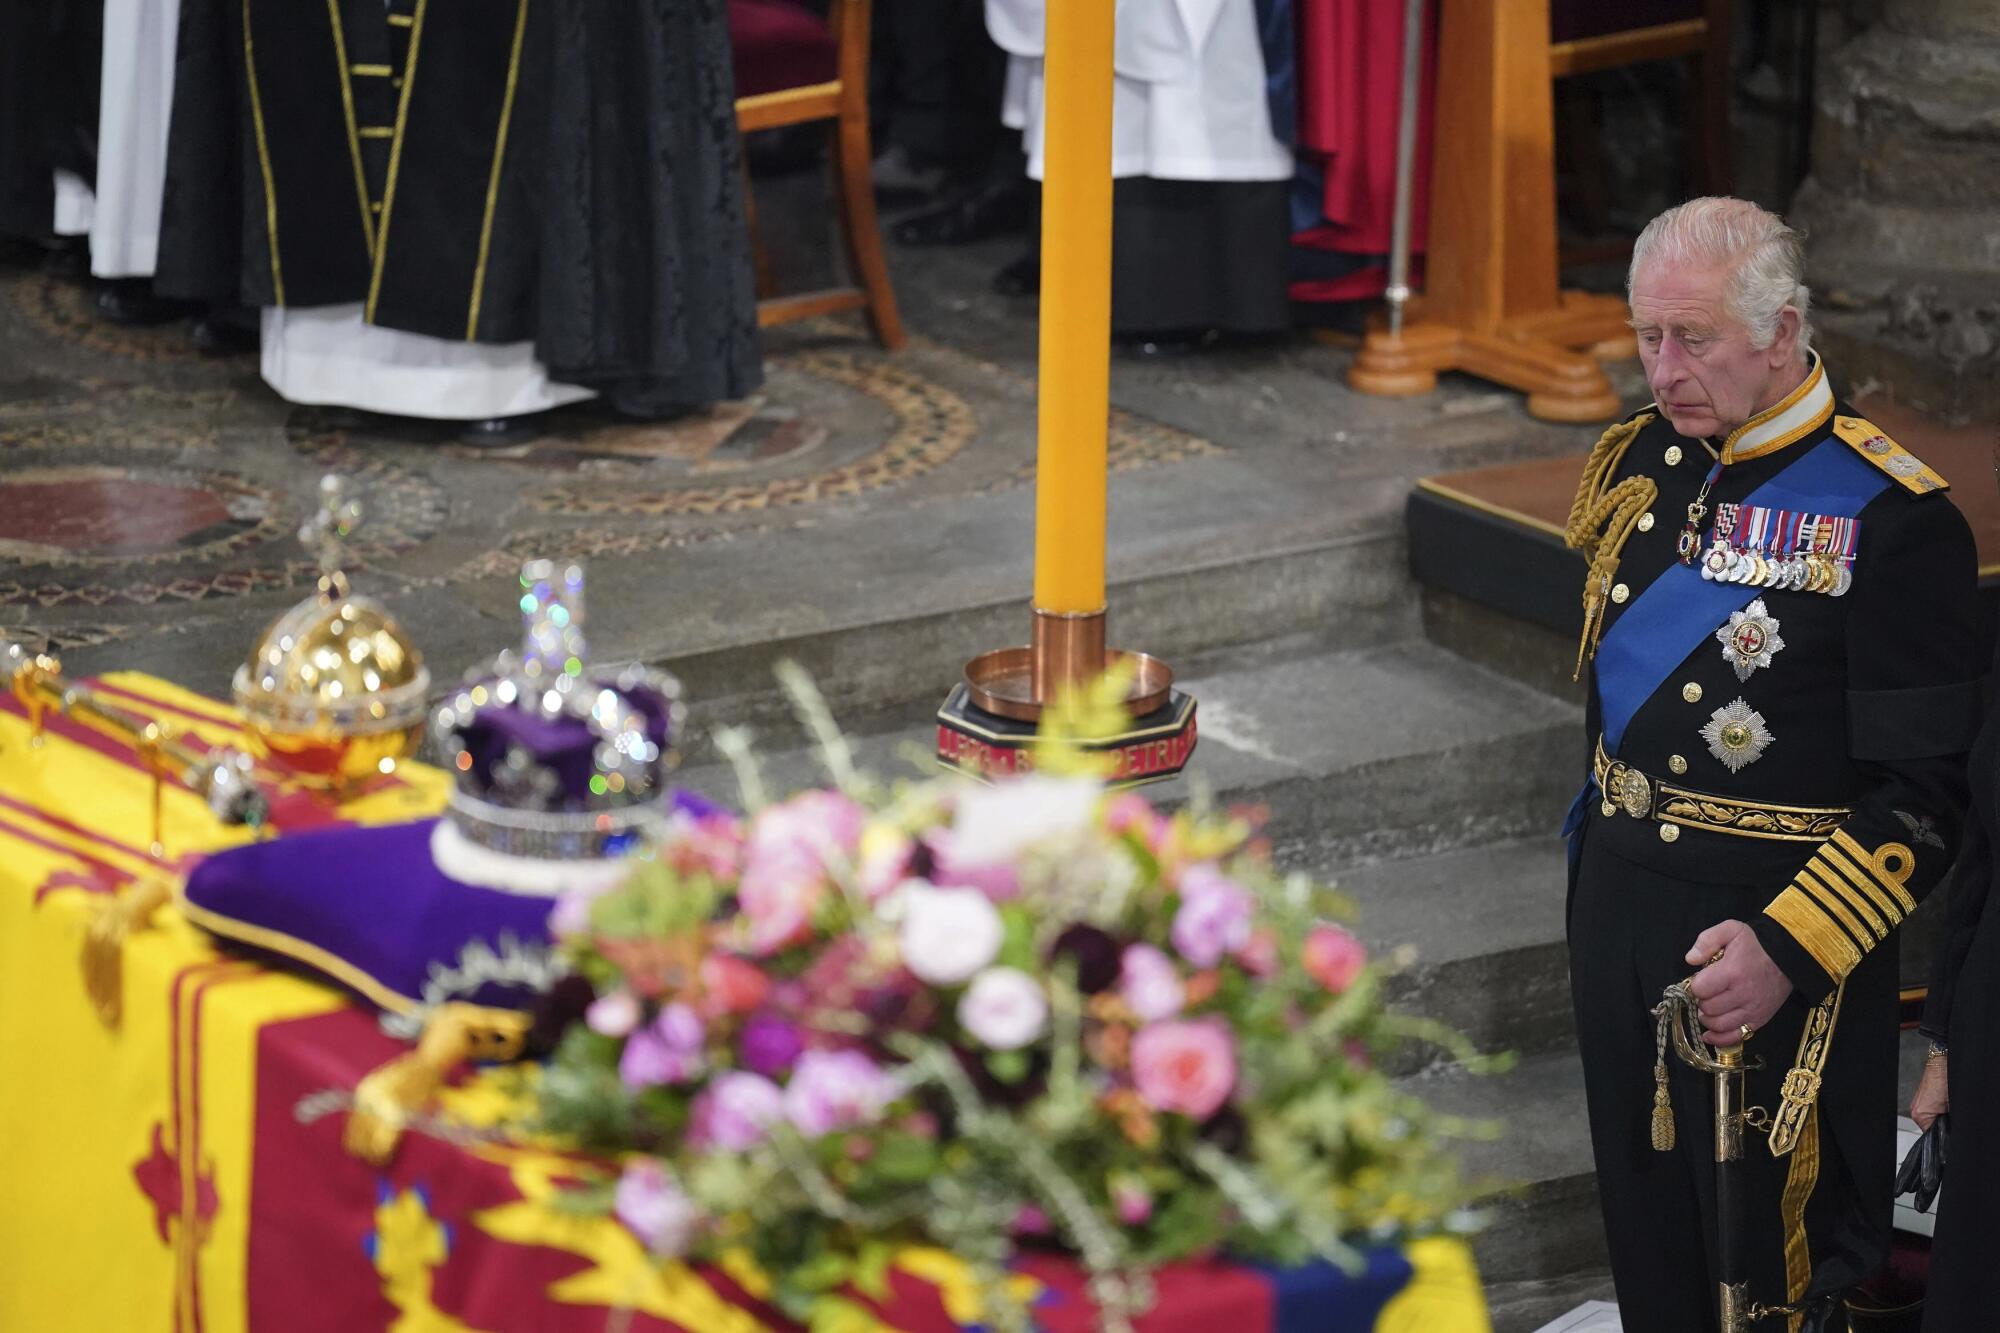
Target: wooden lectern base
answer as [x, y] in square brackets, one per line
[1532, 353]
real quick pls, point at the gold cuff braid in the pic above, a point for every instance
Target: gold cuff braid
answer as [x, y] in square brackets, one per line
[1602, 519]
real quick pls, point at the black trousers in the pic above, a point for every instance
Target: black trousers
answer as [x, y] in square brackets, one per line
[1822, 1211]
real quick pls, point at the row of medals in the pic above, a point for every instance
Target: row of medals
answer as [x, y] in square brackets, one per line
[1787, 573]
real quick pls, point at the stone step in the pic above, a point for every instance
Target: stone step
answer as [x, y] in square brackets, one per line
[1360, 754]
[1543, 1224]
[1486, 924]
[1533, 1305]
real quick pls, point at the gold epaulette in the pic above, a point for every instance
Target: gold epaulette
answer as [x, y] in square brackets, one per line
[1602, 518]
[1868, 440]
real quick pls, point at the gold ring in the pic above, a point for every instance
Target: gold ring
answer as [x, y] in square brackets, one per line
[1716, 957]
[1748, 1032]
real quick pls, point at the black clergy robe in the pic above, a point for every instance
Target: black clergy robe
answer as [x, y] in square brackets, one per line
[558, 172]
[50, 60]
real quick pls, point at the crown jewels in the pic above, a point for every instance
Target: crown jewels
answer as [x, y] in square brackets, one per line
[556, 759]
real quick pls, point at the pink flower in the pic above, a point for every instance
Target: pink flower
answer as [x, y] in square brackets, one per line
[613, 1015]
[1003, 1009]
[570, 917]
[1031, 1221]
[1129, 812]
[1132, 1202]
[785, 864]
[1149, 983]
[1260, 956]
[732, 986]
[735, 1112]
[1333, 958]
[649, 1202]
[835, 1090]
[710, 844]
[1214, 918]
[1188, 1067]
[666, 1051]
[999, 880]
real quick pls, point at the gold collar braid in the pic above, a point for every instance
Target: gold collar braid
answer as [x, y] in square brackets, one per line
[1601, 521]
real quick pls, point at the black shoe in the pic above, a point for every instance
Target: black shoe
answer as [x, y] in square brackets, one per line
[500, 432]
[131, 302]
[1023, 277]
[215, 334]
[994, 208]
[68, 259]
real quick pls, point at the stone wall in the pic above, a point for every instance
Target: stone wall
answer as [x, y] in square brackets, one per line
[1903, 204]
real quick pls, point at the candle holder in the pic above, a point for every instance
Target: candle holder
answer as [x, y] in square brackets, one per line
[989, 719]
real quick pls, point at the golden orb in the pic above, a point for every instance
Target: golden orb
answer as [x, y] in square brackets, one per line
[334, 692]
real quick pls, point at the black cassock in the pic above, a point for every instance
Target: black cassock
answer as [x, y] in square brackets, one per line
[1799, 767]
[1964, 1012]
[561, 172]
[51, 56]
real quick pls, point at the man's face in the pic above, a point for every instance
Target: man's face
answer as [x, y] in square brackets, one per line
[1704, 373]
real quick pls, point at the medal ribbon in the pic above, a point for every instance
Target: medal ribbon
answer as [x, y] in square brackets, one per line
[1656, 631]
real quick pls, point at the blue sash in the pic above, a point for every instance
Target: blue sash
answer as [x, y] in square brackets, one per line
[1681, 608]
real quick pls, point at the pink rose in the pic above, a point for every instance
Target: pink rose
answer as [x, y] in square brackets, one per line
[1150, 984]
[735, 1112]
[1333, 958]
[1260, 956]
[649, 1202]
[668, 1050]
[1188, 1067]
[998, 880]
[613, 1015]
[710, 844]
[732, 986]
[1214, 918]
[947, 935]
[835, 1090]
[1132, 1202]
[785, 864]
[1129, 812]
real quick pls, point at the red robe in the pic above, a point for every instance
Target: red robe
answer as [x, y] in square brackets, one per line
[1350, 69]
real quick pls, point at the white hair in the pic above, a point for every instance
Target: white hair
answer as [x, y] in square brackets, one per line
[1766, 259]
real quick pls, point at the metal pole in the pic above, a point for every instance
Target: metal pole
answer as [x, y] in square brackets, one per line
[1406, 164]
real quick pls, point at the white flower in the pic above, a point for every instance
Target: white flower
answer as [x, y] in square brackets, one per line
[1004, 1008]
[947, 934]
[993, 825]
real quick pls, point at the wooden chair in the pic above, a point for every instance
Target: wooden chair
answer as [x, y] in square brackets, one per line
[792, 68]
[1493, 305]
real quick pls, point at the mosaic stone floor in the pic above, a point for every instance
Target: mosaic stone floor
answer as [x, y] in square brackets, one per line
[150, 496]
[139, 479]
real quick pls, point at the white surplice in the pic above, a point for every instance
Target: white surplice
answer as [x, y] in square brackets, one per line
[327, 356]
[132, 116]
[1188, 100]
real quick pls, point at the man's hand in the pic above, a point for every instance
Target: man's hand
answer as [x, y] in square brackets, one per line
[1742, 987]
[1933, 1096]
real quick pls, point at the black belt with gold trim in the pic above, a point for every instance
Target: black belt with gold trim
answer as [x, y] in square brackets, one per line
[1673, 807]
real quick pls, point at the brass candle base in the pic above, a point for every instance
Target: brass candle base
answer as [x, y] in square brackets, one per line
[988, 722]
[1067, 649]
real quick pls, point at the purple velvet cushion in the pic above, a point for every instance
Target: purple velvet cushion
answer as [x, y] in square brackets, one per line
[778, 44]
[363, 907]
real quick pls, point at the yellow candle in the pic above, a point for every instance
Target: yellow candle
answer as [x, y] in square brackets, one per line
[1075, 384]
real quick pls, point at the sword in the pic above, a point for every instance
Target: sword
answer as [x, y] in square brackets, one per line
[1679, 1021]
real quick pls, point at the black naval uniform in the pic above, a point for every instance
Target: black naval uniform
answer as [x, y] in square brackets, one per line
[564, 173]
[1825, 799]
